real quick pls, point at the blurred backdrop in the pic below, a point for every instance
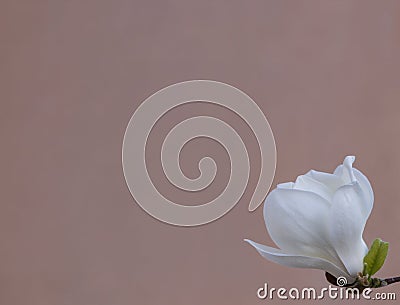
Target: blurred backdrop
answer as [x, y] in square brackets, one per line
[325, 73]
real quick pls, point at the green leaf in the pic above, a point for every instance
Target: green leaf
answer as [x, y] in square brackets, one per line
[375, 257]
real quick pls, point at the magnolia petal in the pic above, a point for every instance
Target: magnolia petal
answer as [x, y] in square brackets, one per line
[345, 170]
[367, 192]
[349, 175]
[297, 222]
[331, 181]
[299, 261]
[346, 225]
[307, 183]
[286, 185]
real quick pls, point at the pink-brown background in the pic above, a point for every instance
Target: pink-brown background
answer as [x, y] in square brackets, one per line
[325, 73]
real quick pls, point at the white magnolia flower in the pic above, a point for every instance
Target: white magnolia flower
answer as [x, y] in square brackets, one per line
[317, 222]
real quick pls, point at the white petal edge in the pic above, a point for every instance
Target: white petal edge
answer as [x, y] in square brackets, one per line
[299, 261]
[307, 183]
[331, 181]
[367, 191]
[285, 185]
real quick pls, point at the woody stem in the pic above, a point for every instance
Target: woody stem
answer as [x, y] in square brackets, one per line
[392, 280]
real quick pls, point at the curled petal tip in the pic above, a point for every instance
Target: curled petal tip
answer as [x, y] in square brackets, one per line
[348, 167]
[350, 159]
[348, 162]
